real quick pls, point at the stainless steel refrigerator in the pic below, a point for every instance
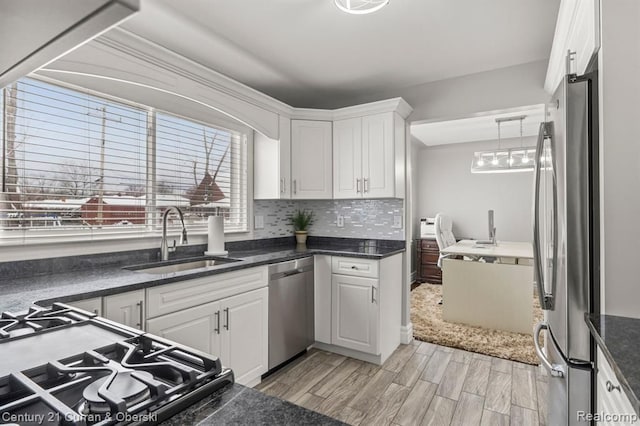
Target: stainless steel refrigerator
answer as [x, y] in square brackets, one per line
[566, 239]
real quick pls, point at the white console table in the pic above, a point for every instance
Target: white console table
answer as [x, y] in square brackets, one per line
[497, 295]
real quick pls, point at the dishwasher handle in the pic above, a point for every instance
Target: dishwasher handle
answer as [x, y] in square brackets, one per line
[290, 273]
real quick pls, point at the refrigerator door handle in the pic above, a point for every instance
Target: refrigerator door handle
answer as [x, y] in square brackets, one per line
[546, 300]
[554, 369]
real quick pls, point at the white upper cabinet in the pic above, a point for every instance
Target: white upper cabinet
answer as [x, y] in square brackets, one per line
[577, 30]
[378, 159]
[272, 164]
[48, 30]
[311, 162]
[347, 158]
[366, 153]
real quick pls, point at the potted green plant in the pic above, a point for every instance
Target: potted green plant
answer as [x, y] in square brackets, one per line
[301, 220]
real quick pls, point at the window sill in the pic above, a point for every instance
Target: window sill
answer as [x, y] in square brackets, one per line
[53, 247]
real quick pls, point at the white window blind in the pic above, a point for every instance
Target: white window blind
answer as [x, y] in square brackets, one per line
[205, 167]
[77, 166]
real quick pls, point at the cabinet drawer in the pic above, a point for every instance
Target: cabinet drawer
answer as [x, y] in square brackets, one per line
[430, 258]
[429, 244]
[352, 266]
[186, 294]
[614, 401]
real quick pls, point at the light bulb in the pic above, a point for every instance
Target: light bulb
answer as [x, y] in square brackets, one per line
[511, 161]
[494, 161]
[525, 160]
[480, 163]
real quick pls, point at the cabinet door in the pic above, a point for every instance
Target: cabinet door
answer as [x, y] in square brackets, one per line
[126, 308]
[198, 327]
[584, 38]
[311, 162]
[245, 346]
[355, 313]
[347, 158]
[93, 305]
[378, 156]
[272, 164]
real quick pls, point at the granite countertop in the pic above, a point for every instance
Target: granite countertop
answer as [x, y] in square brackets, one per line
[238, 405]
[618, 339]
[97, 277]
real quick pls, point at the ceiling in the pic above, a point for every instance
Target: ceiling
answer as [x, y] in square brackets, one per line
[308, 53]
[480, 128]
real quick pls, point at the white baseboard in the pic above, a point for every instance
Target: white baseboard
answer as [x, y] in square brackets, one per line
[374, 359]
[406, 334]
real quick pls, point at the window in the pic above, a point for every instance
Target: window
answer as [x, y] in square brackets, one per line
[77, 165]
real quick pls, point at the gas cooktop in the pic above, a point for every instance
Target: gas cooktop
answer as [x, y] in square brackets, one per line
[65, 366]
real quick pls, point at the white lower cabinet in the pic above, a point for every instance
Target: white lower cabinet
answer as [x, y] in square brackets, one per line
[233, 328]
[355, 313]
[245, 343]
[612, 401]
[198, 327]
[366, 303]
[93, 305]
[126, 308]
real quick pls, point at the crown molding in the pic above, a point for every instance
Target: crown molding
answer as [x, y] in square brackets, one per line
[128, 58]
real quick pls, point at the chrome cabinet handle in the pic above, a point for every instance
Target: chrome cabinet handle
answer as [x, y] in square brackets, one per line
[226, 311]
[295, 186]
[373, 294]
[281, 185]
[611, 387]
[554, 369]
[357, 185]
[354, 267]
[366, 184]
[217, 315]
[95, 311]
[140, 317]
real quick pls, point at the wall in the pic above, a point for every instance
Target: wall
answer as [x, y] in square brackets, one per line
[464, 96]
[446, 184]
[620, 156]
[414, 153]
[362, 218]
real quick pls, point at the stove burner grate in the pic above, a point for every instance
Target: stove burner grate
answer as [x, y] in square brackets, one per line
[36, 320]
[139, 375]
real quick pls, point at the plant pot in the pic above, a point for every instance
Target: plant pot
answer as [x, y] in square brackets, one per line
[301, 237]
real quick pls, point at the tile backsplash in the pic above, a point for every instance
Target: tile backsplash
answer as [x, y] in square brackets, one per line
[362, 218]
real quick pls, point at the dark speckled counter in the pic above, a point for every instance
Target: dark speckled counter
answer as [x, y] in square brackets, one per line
[239, 405]
[82, 277]
[618, 339]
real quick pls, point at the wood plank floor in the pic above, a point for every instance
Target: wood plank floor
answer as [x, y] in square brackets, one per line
[420, 384]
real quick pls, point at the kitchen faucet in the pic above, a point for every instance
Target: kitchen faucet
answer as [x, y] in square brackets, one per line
[164, 246]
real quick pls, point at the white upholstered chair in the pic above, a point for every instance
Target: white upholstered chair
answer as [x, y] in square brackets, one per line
[444, 234]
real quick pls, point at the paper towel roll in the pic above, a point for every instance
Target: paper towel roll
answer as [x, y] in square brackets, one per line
[216, 236]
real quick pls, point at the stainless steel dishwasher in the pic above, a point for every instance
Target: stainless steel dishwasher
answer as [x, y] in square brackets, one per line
[290, 309]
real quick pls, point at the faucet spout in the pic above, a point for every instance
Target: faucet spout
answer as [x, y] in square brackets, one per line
[164, 246]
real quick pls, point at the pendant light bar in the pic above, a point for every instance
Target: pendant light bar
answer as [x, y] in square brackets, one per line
[504, 160]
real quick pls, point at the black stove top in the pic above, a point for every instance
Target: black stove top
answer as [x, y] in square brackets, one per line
[68, 367]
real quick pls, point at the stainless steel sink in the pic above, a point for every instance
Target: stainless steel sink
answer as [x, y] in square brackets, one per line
[182, 266]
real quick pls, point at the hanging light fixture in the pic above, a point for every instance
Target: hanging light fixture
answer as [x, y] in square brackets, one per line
[504, 160]
[360, 7]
